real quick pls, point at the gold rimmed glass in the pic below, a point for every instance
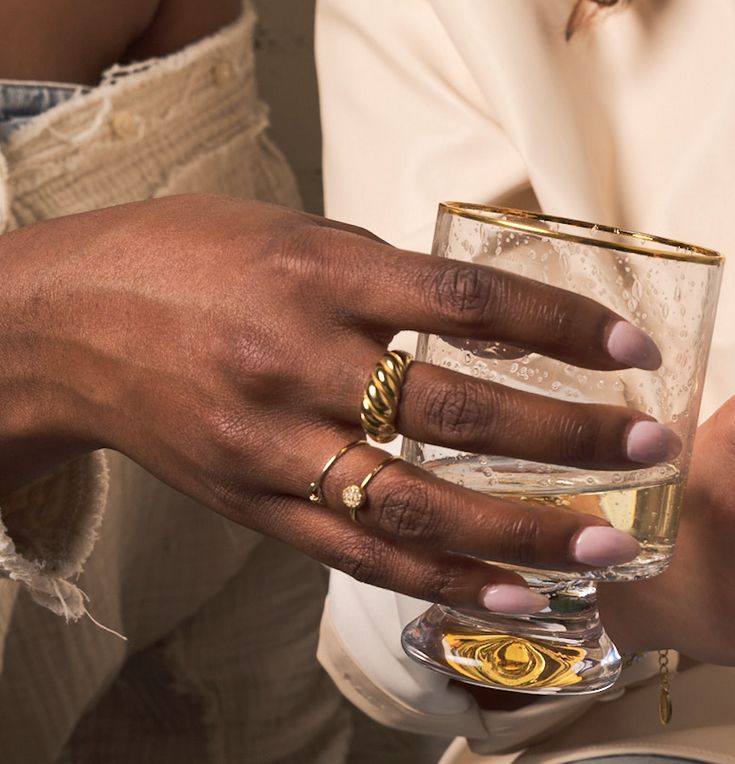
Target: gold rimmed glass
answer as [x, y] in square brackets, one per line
[668, 289]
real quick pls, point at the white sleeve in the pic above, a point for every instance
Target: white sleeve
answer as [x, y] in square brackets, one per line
[48, 529]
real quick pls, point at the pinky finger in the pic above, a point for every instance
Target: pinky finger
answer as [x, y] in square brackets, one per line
[440, 577]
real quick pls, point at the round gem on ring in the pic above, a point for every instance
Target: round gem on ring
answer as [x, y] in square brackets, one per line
[353, 497]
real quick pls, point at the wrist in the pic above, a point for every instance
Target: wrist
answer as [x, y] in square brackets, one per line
[42, 422]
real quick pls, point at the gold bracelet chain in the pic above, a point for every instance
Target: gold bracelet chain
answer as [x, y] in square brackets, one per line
[664, 682]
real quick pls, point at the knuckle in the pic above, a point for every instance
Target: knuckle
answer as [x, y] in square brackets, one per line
[296, 252]
[518, 540]
[239, 504]
[361, 558]
[443, 584]
[226, 497]
[225, 430]
[405, 510]
[459, 291]
[579, 438]
[231, 443]
[314, 262]
[562, 323]
[459, 411]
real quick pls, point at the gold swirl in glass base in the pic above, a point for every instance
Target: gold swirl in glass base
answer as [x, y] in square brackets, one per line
[560, 651]
[512, 661]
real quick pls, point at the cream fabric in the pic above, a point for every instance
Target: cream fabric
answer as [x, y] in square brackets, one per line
[630, 123]
[701, 729]
[220, 623]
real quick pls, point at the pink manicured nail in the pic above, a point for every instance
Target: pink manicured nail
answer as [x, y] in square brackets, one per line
[651, 442]
[601, 546]
[508, 598]
[633, 347]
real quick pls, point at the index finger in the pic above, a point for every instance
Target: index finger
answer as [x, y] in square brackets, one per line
[395, 289]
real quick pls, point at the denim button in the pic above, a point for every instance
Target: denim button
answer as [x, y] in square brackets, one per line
[125, 125]
[222, 72]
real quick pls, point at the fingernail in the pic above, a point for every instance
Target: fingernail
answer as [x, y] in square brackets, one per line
[600, 546]
[633, 347]
[651, 442]
[508, 598]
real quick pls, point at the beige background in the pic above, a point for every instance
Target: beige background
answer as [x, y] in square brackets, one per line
[287, 80]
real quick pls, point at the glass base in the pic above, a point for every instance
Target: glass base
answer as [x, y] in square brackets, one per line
[562, 651]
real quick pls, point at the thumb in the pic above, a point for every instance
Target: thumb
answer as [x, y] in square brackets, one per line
[713, 460]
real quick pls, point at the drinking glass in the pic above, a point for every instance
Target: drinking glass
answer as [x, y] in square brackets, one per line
[669, 290]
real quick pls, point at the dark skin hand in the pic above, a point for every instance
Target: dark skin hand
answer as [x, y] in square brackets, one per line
[224, 345]
[197, 358]
[691, 606]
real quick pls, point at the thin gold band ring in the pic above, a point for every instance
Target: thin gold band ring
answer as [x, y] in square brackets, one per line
[316, 496]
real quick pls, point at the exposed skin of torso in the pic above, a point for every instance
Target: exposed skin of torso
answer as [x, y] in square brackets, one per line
[76, 40]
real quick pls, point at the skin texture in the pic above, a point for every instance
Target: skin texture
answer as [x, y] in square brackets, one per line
[224, 345]
[76, 40]
[691, 606]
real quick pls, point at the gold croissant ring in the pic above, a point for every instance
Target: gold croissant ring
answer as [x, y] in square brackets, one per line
[383, 394]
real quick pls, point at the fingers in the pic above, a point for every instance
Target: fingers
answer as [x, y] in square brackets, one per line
[394, 289]
[451, 409]
[391, 564]
[412, 506]
[447, 408]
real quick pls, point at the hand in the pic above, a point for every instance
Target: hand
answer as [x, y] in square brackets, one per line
[224, 345]
[691, 606]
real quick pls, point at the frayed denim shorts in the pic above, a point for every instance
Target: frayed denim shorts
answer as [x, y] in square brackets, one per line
[21, 101]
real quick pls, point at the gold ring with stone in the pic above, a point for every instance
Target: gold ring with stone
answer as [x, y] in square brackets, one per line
[316, 495]
[383, 394]
[354, 496]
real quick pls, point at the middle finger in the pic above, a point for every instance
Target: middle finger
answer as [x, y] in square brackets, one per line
[447, 408]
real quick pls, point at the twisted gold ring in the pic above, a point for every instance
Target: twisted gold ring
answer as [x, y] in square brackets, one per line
[315, 489]
[354, 496]
[382, 396]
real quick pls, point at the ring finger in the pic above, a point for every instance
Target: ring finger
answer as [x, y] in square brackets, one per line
[414, 508]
